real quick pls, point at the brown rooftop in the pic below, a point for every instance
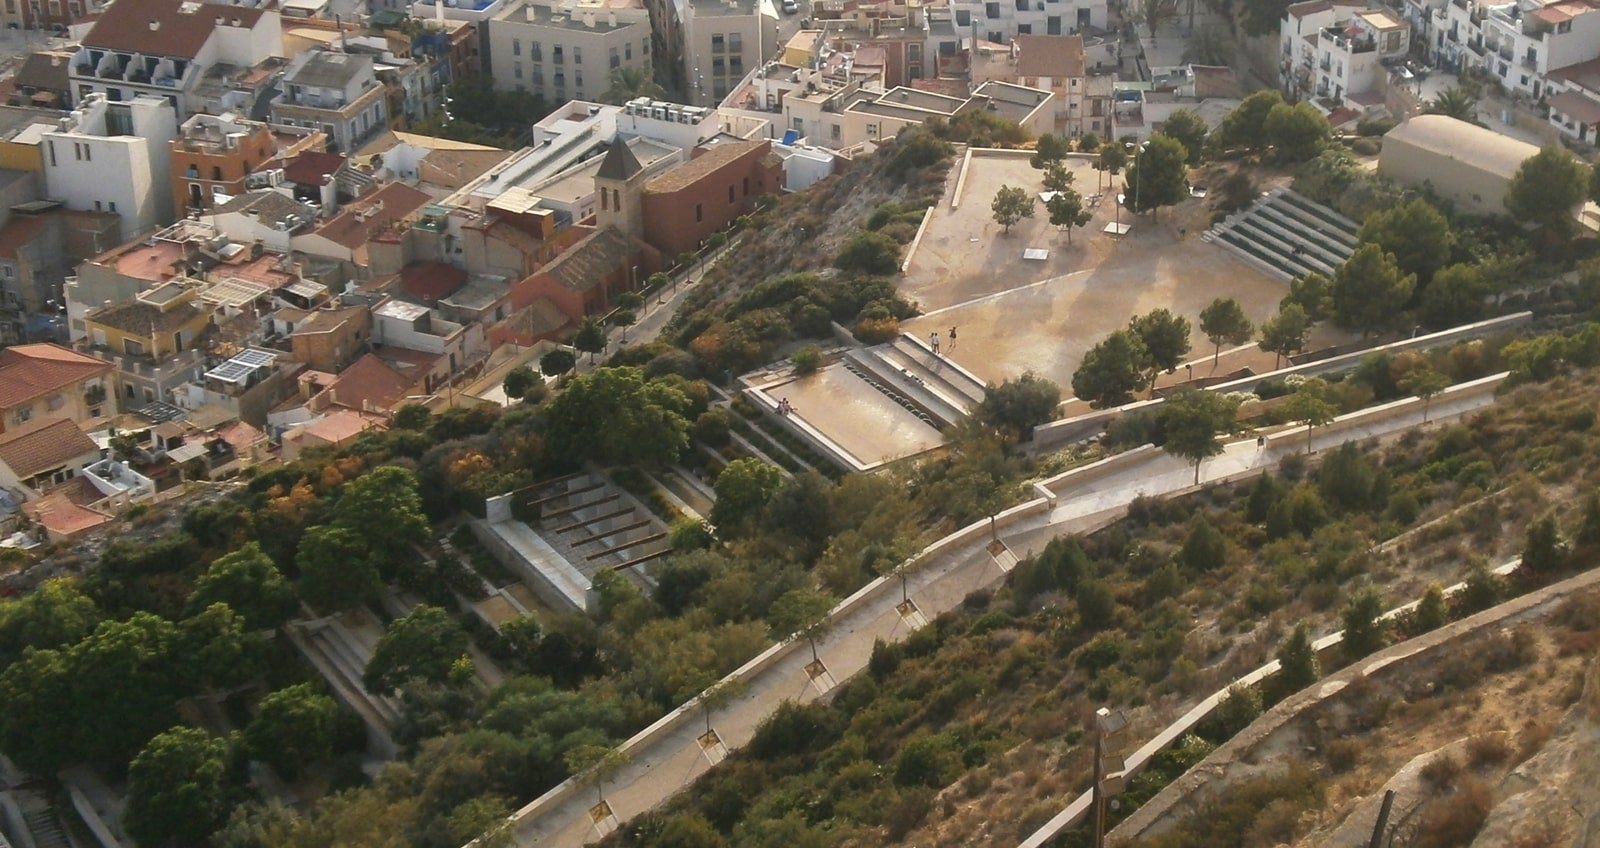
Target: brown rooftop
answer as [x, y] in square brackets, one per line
[142, 319]
[176, 28]
[702, 166]
[1054, 56]
[41, 445]
[372, 214]
[30, 371]
[586, 263]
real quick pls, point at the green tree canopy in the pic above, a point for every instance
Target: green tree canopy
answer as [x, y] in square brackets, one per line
[1457, 294]
[1191, 421]
[1224, 321]
[1416, 233]
[1456, 102]
[217, 651]
[1204, 547]
[423, 645]
[1424, 382]
[870, 253]
[518, 381]
[1311, 406]
[590, 337]
[1370, 292]
[1017, 406]
[383, 508]
[1548, 189]
[1363, 633]
[335, 574]
[801, 612]
[247, 581]
[57, 613]
[1298, 131]
[1297, 660]
[1112, 371]
[294, 727]
[1159, 174]
[1049, 149]
[1057, 177]
[1313, 292]
[1190, 129]
[1245, 126]
[1011, 204]
[625, 84]
[178, 790]
[1166, 340]
[1066, 210]
[1285, 333]
[743, 489]
[614, 417]
[557, 362]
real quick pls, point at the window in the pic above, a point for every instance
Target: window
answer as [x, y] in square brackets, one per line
[627, 51]
[614, 59]
[718, 43]
[835, 133]
[1024, 29]
[730, 194]
[746, 186]
[735, 43]
[557, 56]
[55, 402]
[82, 152]
[535, 51]
[991, 11]
[51, 145]
[24, 414]
[561, 79]
[963, 18]
[719, 65]
[644, 47]
[133, 347]
[111, 205]
[216, 173]
[516, 70]
[577, 55]
[736, 65]
[699, 213]
[538, 78]
[516, 47]
[577, 78]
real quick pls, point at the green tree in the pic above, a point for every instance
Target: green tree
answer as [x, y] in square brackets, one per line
[590, 337]
[1588, 535]
[335, 575]
[870, 253]
[1370, 291]
[1456, 295]
[802, 613]
[383, 508]
[1261, 17]
[1190, 422]
[1298, 132]
[1483, 588]
[1547, 190]
[518, 381]
[1166, 340]
[1424, 382]
[57, 613]
[1187, 127]
[743, 489]
[1431, 612]
[614, 417]
[595, 765]
[1297, 660]
[1416, 233]
[1245, 126]
[1157, 13]
[1204, 547]
[1017, 406]
[216, 650]
[557, 362]
[1010, 205]
[1455, 102]
[1543, 551]
[414, 417]
[1066, 210]
[1284, 333]
[425, 645]
[625, 84]
[247, 581]
[1363, 633]
[177, 790]
[1096, 605]
[124, 678]
[1057, 177]
[1224, 321]
[623, 318]
[1112, 371]
[1329, 176]
[1159, 174]
[1112, 158]
[1311, 406]
[1049, 149]
[293, 727]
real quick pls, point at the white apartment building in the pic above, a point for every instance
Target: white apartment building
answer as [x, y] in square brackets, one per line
[338, 93]
[162, 48]
[1574, 93]
[114, 157]
[723, 40]
[999, 21]
[567, 49]
[1333, 51]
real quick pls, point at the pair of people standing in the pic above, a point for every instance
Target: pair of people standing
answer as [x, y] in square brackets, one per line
[933, 341]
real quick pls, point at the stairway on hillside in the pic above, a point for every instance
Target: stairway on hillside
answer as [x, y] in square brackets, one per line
[1288, 235]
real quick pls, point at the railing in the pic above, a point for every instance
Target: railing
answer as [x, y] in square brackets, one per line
[1530, 62]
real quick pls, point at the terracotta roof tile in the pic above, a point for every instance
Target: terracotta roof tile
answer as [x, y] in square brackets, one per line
[63, 512]
[352, 227]
[586, 263]
[1055, 56]
[176, 28]
[44, 444]
[368, 384]
[142, 318]
[30, 371]
[312, 167]
[702, 166]
[431, 282]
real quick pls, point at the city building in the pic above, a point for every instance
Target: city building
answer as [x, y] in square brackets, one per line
[110, 156]
[218, 154]
[43, 453]
[39, 381]
[1466, 164]
[338, 93]
[162, 48]
[40, 244]
[683, 206]
[1056, 63]
[43, 81]
[567, 49]
[153, 340]
[999, 21]
[1337, 54]
[1575, 101]
[722, 40]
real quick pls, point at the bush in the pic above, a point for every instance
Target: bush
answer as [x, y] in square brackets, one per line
[1369, 127]
[806, 359]
[794, 729]
[712, 428]
[1455, 820]
[1440, 773]
[1366, 146]
[870, 253]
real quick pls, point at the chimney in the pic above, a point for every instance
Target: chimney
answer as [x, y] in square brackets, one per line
[234, 22]
[611, 18]
[588, 19]
[154, 25]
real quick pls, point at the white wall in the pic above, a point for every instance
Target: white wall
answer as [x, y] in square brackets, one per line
[83, 166]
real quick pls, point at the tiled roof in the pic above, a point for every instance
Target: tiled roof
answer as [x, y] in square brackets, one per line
[339, 425]
[45, 69]
[42, 445]
[353, 226]
[1576, 106]
[176, 28]
[64, 511]
[702, 166]
[17, 232]
[429, 282]
[29, 371]
[312, 167]
[540, 318]
[269, 207]
[143, 319]
[1055, 56]
[369, 383]
[586, 263]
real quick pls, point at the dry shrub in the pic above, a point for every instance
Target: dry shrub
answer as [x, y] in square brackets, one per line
[1580, 612]
[1440, 773]
[1488, 749]
[1454, 821]
[1578, 643]
[1534, 734]
[1342, 755]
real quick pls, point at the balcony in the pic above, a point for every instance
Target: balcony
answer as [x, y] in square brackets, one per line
[1530, 62]
[1504, 53]
[1325, 65]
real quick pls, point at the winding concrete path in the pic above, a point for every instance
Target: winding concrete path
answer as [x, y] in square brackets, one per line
[666, 757]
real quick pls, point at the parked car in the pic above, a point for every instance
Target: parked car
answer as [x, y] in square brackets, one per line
[790, 7]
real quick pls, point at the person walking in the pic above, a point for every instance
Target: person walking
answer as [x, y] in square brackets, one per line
[952, 337]
[933, 341]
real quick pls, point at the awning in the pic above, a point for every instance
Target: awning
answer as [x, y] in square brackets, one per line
[184, 453]
[1577, 107]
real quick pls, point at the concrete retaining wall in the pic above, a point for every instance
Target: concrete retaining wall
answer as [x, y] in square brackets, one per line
[1362, 417]
[927, 215]
[1077, 428]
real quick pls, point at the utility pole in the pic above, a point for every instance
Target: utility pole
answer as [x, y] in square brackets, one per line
[1109, 740]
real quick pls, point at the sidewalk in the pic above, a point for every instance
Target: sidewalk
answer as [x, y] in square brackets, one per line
[667, 757]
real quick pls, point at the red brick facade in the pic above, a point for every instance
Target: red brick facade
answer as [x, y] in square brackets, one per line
[687, 204]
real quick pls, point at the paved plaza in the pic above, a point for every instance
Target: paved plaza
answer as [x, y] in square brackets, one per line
[1014, 314]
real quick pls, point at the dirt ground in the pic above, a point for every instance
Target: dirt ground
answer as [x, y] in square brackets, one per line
[1014, 315]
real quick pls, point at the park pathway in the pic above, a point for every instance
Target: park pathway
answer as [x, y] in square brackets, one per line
[666, 757]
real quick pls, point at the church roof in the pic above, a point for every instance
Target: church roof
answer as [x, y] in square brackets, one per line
[619, 164]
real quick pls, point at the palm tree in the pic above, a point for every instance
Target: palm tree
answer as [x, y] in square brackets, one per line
[625, 84]
[1458, 103]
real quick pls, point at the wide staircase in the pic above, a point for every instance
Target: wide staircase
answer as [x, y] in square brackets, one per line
[340, 655]
[1288, 235]
[933, 388]
[594, 524]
